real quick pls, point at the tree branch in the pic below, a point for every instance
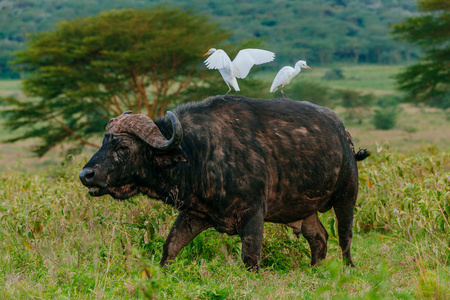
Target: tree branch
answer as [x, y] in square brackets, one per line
[72, 133]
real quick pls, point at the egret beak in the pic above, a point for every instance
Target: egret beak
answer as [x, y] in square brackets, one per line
[307, 67]
[206, 53]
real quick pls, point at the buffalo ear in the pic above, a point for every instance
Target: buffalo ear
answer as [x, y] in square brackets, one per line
[169, 158]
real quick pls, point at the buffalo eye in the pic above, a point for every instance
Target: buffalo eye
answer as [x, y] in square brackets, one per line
[122, 150]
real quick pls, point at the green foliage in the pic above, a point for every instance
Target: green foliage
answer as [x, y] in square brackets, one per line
[429, 80]
[334, 74]
[415, 204]
[281, 252]
[89, 70]
[386, 117]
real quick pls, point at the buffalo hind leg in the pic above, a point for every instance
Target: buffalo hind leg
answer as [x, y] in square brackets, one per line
[317, 237]
[344, 214]
[183, 231]
[251, 235]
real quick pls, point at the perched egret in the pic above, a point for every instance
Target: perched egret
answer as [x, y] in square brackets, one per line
[239, 67]
[285, 75]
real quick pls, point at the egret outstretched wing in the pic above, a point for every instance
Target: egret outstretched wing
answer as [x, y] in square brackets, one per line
[241, 65]
[218, 60]
[247, 58]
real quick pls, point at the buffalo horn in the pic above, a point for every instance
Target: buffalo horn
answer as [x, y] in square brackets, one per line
[144, 128]
[177, 133]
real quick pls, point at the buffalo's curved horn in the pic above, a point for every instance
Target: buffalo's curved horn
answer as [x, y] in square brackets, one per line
[177, 133]
[144, 128]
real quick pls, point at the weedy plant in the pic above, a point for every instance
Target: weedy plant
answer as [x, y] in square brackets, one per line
[58, 242]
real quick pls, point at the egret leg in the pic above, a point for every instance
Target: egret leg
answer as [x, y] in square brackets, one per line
[284, 95]
[235, 98]
[229, 90]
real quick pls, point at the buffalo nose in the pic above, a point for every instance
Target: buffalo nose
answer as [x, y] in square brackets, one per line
[87, 176]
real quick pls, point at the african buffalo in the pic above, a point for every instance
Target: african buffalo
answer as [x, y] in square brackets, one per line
[233, 163]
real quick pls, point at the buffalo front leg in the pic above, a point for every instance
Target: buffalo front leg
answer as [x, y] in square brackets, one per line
[317, 237]
[251, 235]
[183, 231]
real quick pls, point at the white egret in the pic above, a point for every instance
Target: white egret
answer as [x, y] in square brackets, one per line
[239, 67]
[285, 75]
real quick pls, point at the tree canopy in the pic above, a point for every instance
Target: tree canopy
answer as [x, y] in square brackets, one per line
[91, 69]
[428, 80]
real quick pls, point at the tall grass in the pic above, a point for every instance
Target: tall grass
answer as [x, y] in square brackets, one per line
[58, 242]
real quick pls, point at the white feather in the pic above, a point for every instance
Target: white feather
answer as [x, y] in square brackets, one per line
[240, 66]
[286, 74]
[218, 60]
[247, 58]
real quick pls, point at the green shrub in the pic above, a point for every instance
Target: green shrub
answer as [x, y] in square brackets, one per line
[334, 74]
[385, 118]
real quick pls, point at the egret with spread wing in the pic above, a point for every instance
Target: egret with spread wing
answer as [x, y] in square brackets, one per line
[285, 76]
[239, 67]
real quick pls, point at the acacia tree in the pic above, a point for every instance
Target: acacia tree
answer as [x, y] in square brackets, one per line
[429, 80]
[91, 69]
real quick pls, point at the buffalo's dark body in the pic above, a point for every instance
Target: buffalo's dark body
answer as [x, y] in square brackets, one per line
[241, 163]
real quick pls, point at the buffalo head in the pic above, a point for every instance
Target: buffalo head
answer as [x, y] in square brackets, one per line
[131, 145]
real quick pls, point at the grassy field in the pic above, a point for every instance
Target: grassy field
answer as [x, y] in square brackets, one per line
[376, 79]
[59, 243]
[56, 242]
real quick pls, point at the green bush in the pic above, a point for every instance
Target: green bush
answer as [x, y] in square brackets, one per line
[386, 117]
[334, 74]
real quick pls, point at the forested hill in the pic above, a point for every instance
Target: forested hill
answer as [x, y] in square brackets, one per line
[320, 31]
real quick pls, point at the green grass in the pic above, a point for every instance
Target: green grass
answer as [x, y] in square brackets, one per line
[58, 242]
[376, 79]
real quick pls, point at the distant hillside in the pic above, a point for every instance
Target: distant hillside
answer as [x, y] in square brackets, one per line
[319, 31]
